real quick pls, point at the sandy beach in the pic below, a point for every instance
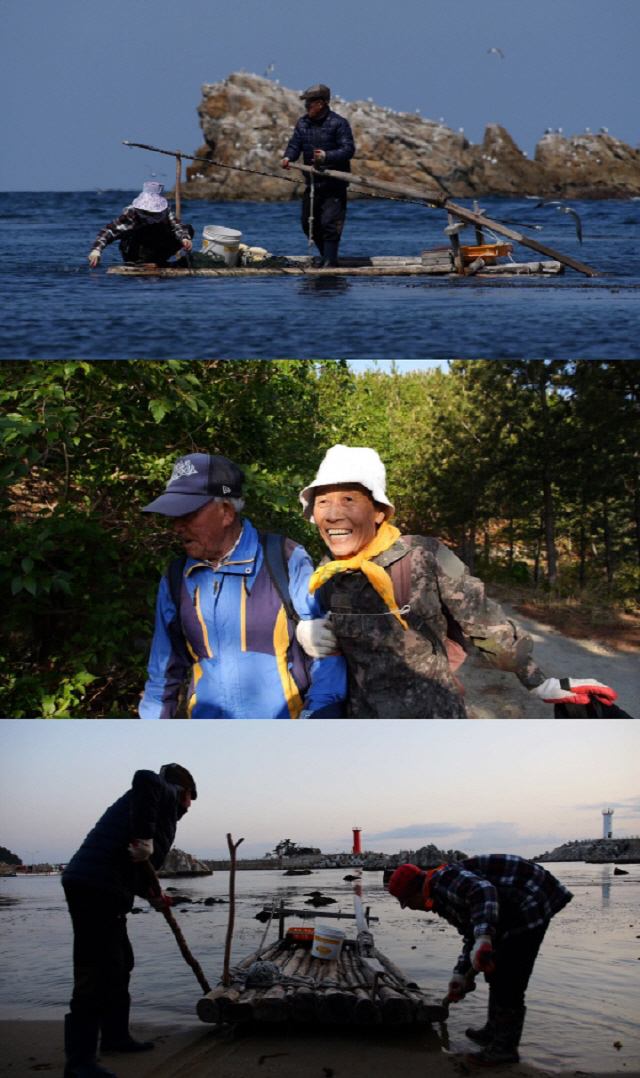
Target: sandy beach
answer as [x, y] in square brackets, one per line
[270, 1052]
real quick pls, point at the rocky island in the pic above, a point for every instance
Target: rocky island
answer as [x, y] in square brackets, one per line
[247, 121]
[596, 851]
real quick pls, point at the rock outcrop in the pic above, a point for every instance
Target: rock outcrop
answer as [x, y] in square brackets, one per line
[247, 121]
[596, 851]
[178, 863]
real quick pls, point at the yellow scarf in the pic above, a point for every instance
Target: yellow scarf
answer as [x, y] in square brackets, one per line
[385, 537]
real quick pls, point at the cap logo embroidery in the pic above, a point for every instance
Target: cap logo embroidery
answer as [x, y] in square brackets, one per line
[181, 468]
[226, 490]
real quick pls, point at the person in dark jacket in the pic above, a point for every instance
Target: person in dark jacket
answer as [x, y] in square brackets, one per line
[100, 884]
[147, 229]
[325, 140]
[501, 905]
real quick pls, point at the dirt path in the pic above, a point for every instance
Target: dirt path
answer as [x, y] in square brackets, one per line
[493, 694]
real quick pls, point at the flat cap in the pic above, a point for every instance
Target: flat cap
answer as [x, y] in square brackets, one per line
[320, 90]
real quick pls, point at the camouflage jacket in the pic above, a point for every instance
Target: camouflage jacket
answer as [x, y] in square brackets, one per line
[405, 673]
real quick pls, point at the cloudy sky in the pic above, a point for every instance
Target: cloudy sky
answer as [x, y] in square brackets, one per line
[478, 787]
[77, 78]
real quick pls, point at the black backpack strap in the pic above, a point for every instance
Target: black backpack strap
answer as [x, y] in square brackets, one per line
[277, 566]
[175, 573]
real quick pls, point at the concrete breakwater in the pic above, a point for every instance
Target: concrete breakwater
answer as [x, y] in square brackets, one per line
[247, 121]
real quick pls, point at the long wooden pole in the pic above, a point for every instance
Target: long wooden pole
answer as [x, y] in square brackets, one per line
[226, 972]
[461, 212]
[178, 178]
[155, 888]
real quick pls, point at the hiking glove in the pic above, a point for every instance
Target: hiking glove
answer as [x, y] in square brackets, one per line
[482, 955]
[141, 849]
[285, 163]
[94, 257]
[319, 157]
[317, 638]
[569, 690]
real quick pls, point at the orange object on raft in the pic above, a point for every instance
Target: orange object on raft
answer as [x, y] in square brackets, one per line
[489, 252]
[300, 935]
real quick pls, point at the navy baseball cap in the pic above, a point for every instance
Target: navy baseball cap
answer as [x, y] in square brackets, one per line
[195, 480]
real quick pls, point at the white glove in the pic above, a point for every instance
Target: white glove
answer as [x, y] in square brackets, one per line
[482, 955]
[569, 690]
[94, 256]
[317, 638]
[141, 849]
[319, 157]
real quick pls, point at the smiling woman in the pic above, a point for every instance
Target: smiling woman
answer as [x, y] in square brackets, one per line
[401, 606]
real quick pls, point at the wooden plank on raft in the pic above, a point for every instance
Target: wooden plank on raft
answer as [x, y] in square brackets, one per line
[478, 219]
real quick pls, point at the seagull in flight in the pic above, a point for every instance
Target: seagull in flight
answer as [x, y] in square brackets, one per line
[561, 208]
[269, 70]
[498, 51]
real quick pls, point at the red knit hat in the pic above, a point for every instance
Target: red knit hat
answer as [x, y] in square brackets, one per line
[405, 882]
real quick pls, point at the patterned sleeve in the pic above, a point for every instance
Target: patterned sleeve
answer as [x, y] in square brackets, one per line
[178, 228]
[115, 230]
[484, 621]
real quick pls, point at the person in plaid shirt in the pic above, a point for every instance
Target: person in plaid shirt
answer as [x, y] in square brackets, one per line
[147, 229]
[501, 905]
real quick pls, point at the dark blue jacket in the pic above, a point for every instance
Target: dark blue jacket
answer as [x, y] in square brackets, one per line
[331, 133]
[150, 809]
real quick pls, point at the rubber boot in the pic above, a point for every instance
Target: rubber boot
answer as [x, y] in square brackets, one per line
[504, 1046]
[115, 1032]
[330, 254]
[485, 1035]
[80, 1045]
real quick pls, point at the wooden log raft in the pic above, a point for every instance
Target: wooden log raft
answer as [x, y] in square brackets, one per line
[354, 988]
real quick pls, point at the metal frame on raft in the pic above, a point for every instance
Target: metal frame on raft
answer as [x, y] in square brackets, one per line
[438, 262]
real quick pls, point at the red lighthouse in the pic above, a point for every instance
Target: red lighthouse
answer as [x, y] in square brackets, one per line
[356, 840]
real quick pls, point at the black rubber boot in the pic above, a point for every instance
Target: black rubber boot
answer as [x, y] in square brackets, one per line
[330, 254]
[485, 1035]
[504, 1046]
[115, 1032]
[80, 1045]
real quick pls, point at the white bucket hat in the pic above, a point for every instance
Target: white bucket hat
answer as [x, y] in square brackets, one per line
[349, 464]
[152, 198]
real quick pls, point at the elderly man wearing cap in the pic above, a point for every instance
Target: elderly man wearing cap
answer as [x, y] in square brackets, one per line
[324, 139]
[402, 607]
[223, 612]
[100, 884]
[147, 229]
[501, 905]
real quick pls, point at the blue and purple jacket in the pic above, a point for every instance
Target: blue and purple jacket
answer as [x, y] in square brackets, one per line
[232, 629]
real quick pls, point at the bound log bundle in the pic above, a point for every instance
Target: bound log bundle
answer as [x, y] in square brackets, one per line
[428, 265]
[299, 987]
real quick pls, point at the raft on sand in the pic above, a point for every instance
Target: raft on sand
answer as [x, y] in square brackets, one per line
[307, 976]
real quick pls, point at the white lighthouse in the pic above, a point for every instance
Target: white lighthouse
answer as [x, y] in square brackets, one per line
[607, 823]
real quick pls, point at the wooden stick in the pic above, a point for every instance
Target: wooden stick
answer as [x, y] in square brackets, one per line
[226, 976]
[178, 177]
[154, 886]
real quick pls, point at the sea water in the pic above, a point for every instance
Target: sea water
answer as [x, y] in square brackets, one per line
[582, 1000]
[56, 307]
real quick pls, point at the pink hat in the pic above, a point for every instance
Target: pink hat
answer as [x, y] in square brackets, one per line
[151, 199]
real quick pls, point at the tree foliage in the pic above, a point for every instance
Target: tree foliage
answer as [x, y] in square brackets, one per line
[529, 468]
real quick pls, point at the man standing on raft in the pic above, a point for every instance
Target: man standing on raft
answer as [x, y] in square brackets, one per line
[324, 139]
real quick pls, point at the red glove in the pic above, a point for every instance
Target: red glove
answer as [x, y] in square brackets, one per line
[569, 690]
[160, 902]
[482, 955]
[457, 989]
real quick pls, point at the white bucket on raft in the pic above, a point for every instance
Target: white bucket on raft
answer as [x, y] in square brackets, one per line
[327, 942]
[224, 242]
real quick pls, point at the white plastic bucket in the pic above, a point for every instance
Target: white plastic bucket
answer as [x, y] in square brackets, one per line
[327, 942]
[224, 242]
